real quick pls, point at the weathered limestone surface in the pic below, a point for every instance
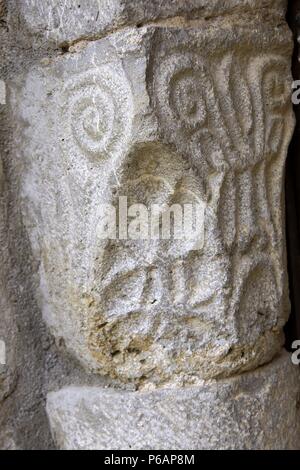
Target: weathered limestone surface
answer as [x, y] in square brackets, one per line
[8, 334]
[161, 102]
[67, 21]
[162, 113]
[256, 410]
[23, 420]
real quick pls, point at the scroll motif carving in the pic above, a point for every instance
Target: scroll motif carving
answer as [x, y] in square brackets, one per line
[228, 120]
[234, 121]
[98, 109]
[167, 124]
[142, 292]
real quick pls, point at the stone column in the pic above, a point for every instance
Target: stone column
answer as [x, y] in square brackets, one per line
[162, 103]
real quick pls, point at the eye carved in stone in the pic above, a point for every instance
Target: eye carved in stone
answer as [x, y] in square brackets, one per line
[97, 113]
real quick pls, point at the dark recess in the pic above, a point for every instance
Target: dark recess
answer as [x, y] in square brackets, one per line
[292, 183]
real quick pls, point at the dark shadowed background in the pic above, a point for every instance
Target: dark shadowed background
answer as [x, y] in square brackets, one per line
[292, 329]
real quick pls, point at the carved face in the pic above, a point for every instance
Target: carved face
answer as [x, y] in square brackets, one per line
[159, 123]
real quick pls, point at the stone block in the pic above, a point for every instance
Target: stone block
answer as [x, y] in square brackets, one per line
[67, 21]
[257, 410]
[161, 115]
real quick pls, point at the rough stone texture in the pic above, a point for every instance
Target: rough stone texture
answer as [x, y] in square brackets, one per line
[256, 410]
[69, 21]
[8, 334]
[157, 113]
[293, 191]
[162, 102]
[34, 362]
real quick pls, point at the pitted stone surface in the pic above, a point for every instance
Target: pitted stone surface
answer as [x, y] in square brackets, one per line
[161, 114]
[257, 410]
[8, 330]
[167, 102]
[63, 21]
[179, 101]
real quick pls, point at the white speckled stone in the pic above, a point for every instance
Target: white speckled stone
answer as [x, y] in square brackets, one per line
[162, 114]
[256, 410]
[62, 21]
[161, 101]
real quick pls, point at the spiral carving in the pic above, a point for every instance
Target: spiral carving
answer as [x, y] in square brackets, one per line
[98, 112]
[187, 106]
